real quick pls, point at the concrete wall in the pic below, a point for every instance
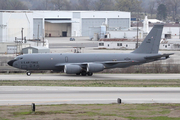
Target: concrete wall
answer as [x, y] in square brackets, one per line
[4, 45]
[15, 21]
[1, 28]
[76, 27]
[132, 45]
[174, 31]
[125, 34]
[113, 45]
[35, 50]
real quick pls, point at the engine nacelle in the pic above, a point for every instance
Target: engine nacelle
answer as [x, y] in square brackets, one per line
[72, 69]
[95, 67]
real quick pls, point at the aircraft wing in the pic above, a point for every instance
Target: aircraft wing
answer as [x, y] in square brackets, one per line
[159, 56]
[104, 62]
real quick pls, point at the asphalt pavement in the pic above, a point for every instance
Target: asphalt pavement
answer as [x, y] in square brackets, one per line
[25, 95]
[94, 77]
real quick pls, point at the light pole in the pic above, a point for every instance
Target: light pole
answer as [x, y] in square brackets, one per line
[137, 33]
[179, 30]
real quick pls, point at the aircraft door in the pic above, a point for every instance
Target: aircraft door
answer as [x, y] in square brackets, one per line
[66, 59]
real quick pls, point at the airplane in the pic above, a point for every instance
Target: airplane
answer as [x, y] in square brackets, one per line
[86, 64]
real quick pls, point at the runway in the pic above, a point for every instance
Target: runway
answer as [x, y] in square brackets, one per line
[94, 77]
[25, 95]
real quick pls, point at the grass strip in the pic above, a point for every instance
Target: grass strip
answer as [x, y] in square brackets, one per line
[93, 83]
[93, 111]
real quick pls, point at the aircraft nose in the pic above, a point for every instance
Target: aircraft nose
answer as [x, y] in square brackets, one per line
[10, 63]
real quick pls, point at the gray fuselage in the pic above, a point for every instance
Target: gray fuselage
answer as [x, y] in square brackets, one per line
[57, 61]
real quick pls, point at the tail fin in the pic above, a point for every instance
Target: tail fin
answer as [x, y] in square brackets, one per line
[150, 45]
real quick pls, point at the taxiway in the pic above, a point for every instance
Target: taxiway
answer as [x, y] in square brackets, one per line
[94, 77]
[25, 95]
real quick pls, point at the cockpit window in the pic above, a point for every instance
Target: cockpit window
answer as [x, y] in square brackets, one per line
[18, 58]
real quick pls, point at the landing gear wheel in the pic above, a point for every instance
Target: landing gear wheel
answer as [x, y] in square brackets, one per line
[83, 73]
[28, 73]
[89, 74]
[78, 74]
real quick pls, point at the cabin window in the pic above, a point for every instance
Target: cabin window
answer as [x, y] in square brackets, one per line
[126, 45]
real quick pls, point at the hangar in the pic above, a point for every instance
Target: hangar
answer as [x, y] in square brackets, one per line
[40, 24]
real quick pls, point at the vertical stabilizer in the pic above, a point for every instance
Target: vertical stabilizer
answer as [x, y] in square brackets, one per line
[150, 45]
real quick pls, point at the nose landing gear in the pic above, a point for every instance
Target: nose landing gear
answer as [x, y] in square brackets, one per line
[28, 73]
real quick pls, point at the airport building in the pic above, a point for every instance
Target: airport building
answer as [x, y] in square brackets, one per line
[40, 24]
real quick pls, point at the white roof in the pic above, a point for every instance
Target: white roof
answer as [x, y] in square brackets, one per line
[154, 21]
[60, 21]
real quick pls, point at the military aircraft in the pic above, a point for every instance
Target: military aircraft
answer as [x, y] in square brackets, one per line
[89, 63]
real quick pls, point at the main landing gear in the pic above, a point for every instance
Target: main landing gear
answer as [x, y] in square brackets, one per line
[84, 73]
[28, 73]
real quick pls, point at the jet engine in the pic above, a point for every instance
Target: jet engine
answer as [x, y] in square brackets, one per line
[72, 69]
[95, 67]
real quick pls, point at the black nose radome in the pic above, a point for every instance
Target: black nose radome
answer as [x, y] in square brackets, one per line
[10, 63]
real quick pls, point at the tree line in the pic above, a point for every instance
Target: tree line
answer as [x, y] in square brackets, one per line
[161, 9]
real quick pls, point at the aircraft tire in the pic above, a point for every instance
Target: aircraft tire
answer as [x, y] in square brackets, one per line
[78, 74]
[89, 73]
[28, 73]
[83, 73]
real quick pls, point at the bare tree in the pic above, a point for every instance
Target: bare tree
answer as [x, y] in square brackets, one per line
[152, 6]
[12, 5]
[175, 4]
[3, 4]
[129, 5]
[172, 7]
[103, 5]
[17, 5]
[84, 5]
[61, 4]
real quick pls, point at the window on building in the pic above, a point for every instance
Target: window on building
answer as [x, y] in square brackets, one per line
[101, 44]
[119, 44]
[126, 45]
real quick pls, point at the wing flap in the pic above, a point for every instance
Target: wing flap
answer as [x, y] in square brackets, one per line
[104, 62]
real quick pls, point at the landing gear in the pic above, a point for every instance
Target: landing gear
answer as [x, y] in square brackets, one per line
[84, 73]
[28, 73]
[89, 74]
[78, 74]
